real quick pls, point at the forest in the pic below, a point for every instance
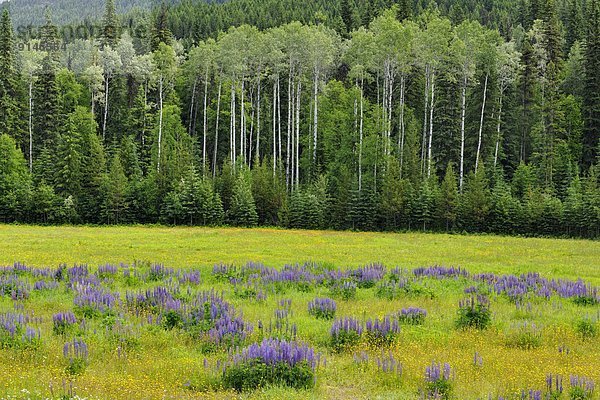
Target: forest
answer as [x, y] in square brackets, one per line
[336, 115]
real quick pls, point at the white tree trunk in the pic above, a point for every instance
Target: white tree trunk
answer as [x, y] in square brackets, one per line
[217, 130]
[30, 125]
[481, 122]
[360, 134]
[204, 122]
[462, 134]
[429, 145]
[315, 115]
[298, 134]
[274, 128]
[106, 108]
[499, 122]
[402, 125]
[258, 123]
[426, 108]
[160, 121]
[192, 103]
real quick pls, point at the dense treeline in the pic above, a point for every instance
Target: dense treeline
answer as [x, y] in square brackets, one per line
[413, 122]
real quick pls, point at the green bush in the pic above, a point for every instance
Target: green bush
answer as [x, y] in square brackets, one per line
[257, 374]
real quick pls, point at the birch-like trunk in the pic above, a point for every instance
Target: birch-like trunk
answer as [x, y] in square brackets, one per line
[258, 123]
[401, 122]
[106, 108]
[481, 122]
[192, 102]
[462, 134]
[426, 108]
[498, 123]
[217, 130]
[315, 115]
[31, 125]
[429, 145]
[298, 134]
[160, 121]
[204, 121]
[274, 128]
[360, 133]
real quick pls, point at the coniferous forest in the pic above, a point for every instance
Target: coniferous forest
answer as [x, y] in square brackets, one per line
[370, 115]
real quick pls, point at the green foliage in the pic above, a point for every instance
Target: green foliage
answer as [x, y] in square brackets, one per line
[256, 374]
[242, 211]
[587, 328]
[474, 314]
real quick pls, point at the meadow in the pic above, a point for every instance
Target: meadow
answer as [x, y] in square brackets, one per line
[156, 312]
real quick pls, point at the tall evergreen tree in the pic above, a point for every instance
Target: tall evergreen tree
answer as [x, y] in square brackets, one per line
[591, 100]
[9, 97]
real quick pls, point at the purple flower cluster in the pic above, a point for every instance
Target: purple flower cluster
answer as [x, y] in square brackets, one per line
[45, 285]
[64, 319]
[76, 349]
[412, 315]
[368, 275]
[437, 372]
[324, 308]
[274, 351]
[90, 299]
[14, 287]
[107, 270]
[159, 272]
[517, 287]
[388, 364]
[153, 300]
[347, 324]
[554, 384]
[531, 394]
[382, 331]
[582, 386]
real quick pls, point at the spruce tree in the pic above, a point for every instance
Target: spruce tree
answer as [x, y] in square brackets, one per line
[347, 15]
[242, 211]
[9, 115]
[115, 186]
[110, 31]
[591, 100]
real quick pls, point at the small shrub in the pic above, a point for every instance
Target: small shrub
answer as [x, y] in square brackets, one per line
[412, 316]
[76, 354]
[526, 336]
[581, 388]
[474, 313]
[437, 381]
[63, 323]
[382, 332]
[345, 334]
[586, 328]
[322, 308]
[272, 362]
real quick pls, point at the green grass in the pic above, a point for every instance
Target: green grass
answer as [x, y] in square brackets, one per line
[166, 360]
[188, 247]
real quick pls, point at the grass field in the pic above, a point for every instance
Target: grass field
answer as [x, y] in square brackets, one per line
[165, 363]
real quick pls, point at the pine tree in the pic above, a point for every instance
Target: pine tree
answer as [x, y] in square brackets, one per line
[449, 198]
[110, 31]
[243, 209]
[160, 31]
[9, 113]
[475, 203]
[347, 15]
[591, 100]
[115, 186]
[404, 9]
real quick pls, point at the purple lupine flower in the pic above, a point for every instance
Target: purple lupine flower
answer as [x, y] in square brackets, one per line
[582, 386]
[440, 272]
[324, 308]
[382, 331]
[412, 315]
[437, 372]
[274, 351]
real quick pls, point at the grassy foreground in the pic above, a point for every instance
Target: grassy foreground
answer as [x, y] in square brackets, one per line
[164, 362]
[193, 247]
